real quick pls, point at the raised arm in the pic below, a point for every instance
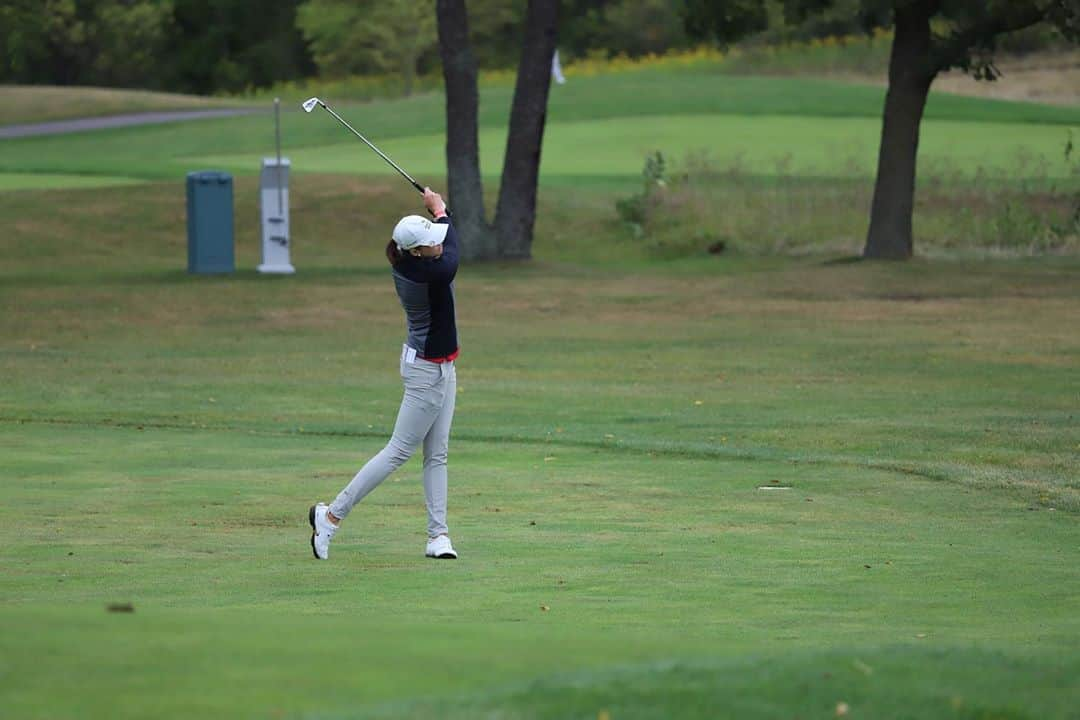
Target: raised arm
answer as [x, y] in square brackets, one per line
[446, 265]
[434, 203]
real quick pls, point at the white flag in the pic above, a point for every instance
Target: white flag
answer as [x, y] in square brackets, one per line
[556, 69]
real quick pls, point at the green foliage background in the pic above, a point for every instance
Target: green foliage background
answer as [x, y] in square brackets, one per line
[226, 46]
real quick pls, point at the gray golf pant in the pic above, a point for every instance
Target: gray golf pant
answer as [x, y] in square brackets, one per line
[424, 417]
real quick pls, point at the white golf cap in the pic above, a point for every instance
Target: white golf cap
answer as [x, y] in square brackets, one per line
[415, 231]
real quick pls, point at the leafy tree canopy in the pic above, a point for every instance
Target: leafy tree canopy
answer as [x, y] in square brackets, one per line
[965, 32]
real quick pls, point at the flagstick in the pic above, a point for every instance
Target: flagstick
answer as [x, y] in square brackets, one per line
[277, 144]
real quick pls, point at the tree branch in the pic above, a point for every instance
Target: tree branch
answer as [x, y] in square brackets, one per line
[955, 51]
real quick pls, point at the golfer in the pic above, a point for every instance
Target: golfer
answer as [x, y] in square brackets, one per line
[424, 256]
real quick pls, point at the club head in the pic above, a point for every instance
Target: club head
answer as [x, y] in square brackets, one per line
[310, 104]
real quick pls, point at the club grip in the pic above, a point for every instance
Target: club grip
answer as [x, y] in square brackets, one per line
[420, 188]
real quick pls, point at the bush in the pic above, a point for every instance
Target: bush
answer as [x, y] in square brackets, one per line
[635, 209]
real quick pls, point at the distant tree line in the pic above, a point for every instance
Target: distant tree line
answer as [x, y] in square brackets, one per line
[225, 46]
[212, 46]
[195, 46]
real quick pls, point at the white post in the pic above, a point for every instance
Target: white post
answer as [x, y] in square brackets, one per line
[274, 181]
[274, 209]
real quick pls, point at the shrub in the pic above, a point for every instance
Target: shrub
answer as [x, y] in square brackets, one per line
[635, 209]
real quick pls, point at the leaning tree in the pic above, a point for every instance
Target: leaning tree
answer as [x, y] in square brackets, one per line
[929, 37]
[510, 236]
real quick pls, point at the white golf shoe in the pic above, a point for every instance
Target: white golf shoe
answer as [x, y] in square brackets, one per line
[441, 549]
[322, 530]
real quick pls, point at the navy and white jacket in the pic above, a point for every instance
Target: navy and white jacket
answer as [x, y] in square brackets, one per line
[426, 290]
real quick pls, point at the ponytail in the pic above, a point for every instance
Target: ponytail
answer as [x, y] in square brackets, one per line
[394, 253]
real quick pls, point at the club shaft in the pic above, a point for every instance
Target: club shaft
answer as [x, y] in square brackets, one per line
[393, 164]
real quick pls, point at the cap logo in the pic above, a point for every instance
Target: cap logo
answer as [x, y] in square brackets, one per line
[413, 230]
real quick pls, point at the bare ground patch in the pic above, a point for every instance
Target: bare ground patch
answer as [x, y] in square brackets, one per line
[1052, 79]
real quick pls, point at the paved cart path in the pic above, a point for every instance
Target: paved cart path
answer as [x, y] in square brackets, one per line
[113, 121]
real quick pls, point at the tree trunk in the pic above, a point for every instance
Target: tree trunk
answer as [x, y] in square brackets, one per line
[911, 71]
[466, 188]
[516, 211]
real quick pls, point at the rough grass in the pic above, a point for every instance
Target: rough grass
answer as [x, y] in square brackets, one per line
[44, 103]
[956, 213]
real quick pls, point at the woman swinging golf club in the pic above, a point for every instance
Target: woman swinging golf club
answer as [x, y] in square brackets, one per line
[424, 257]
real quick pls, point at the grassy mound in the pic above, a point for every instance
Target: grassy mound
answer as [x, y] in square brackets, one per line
[44, 103]
[856, 682]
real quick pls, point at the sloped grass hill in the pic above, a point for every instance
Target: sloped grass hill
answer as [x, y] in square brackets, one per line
[598, 127]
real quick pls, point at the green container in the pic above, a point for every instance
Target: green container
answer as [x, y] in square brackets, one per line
[210, 222]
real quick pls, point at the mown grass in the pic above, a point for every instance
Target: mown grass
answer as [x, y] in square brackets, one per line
[44, 181]
[166, 151]
[161, 436]
[339, 227]
[819, 685]
[768, 146]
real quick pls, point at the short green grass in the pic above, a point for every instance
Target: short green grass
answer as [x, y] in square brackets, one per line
[598, 126]
[162, 435]
[769, 146]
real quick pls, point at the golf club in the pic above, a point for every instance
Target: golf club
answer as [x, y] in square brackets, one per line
[310, 104]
